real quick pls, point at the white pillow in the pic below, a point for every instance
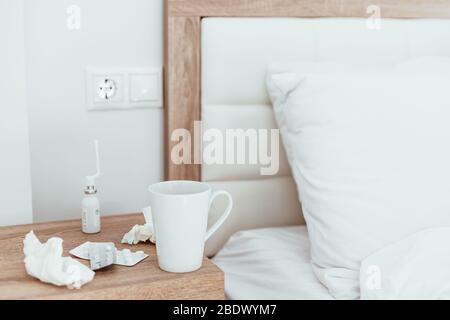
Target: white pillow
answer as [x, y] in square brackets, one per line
[370, 153]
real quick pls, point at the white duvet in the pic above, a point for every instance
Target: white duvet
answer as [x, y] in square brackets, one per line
[270, 263]
[275, 263]
[416, 267]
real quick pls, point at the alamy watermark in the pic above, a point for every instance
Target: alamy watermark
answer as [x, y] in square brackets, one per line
[230, 146]
[73, 21]
[373, 279]
[373, 22]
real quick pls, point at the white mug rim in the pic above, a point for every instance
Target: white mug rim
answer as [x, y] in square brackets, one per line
[153, 186]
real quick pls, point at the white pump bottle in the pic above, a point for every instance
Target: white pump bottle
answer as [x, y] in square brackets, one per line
[90, 216]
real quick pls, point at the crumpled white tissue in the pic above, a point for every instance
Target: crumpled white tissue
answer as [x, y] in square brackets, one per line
[45, 262]
[141, 232]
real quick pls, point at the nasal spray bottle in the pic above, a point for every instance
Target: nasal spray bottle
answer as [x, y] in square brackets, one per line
[90, 205]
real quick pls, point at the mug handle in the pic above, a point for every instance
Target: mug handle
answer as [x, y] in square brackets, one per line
[224, 215]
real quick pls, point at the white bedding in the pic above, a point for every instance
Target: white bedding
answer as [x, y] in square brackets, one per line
[416, 267]
[272, 263]
[369, 153]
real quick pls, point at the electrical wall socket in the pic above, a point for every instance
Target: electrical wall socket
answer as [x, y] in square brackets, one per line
[123, 88]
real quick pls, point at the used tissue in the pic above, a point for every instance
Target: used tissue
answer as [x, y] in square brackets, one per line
[45, 262]
[141, 232]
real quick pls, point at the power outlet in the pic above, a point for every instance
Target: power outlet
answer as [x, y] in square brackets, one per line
[105, 90]
[123, 88]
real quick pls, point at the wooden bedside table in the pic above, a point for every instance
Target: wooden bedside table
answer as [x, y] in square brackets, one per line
[143, 281]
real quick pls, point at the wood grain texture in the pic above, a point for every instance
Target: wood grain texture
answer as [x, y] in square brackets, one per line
[143, 281]
[309, 8]
[182, 90]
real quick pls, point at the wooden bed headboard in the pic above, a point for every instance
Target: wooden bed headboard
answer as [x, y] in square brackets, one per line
[183, 56]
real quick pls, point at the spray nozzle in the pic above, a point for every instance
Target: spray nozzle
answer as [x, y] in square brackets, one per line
[90, 180]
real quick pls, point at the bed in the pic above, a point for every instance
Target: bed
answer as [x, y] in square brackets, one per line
[270, 263]
[217, 54]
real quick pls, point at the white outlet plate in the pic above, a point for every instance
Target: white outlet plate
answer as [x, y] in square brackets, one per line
[135, 87]
[145, 87]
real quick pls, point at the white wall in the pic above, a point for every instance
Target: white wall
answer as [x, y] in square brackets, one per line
[15, 184]
[113, 33]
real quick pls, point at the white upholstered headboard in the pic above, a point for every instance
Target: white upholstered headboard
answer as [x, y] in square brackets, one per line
[235, 53]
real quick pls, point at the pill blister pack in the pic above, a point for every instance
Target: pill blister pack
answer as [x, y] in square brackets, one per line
[127, 258]
[103, 254]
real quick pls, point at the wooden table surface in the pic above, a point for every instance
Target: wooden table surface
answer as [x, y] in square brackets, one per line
[143, 281]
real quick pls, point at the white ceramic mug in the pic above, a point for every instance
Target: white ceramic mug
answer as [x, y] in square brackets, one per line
[180, 217]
